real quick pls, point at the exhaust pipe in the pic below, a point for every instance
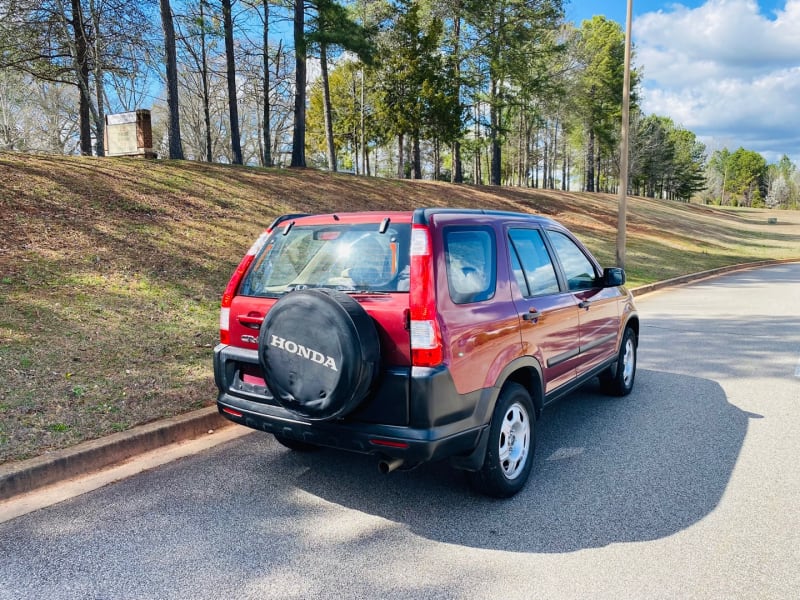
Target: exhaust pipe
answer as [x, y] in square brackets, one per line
[389, 465]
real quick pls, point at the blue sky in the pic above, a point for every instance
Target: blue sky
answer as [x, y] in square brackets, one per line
[728, 70]
[577, 10]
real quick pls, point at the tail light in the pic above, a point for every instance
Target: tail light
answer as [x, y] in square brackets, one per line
[233, 286]
[426, 336]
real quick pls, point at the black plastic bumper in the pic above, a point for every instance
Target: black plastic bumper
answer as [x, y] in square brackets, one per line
[413, 446]
[426, 418]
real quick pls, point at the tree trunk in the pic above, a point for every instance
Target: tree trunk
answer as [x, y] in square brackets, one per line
[276, 139]
[546, 159]
[299, 132]
[354, 133]
[590, 163]
[82, 64]
[597, 170]
[518, 162]
[417, 159]
[364, 149]
[524, 149]
[266, 158]
[437, 160]
[551, 182]
[494, 138]
[100, 123]
[326, 106]
[204, 69]
[408, 165]
[497, 171]
[233, 102]
[476, 167]
[457, 174]
[401, 171]
[171, 61]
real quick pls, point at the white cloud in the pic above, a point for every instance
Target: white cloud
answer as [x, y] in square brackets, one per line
[726, 72]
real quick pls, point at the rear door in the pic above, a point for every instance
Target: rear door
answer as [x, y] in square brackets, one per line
[549, 319]
[478, 318]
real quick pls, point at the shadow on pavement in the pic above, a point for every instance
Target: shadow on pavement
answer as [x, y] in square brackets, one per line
[606, 470]
[251, 519]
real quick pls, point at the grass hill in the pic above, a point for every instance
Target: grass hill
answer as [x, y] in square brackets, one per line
[111, 272]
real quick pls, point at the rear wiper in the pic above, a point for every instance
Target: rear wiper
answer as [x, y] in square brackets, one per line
[299, 286]
[347, 289]
[366, 291]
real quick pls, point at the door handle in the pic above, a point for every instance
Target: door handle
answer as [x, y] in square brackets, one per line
[531, 315]
[585, 304]
[253, 322]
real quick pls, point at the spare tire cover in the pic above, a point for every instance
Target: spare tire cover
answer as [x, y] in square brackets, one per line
[320, 353]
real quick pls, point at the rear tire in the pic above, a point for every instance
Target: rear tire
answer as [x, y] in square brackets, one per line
[509, 452]
[618, 379]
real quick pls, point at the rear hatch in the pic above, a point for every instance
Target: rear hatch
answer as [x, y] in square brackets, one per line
[360, 258]
[363, 255]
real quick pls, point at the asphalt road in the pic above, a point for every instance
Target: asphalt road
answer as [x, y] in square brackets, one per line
[687, 488]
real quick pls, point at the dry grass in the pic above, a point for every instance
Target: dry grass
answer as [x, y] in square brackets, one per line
[111, 272]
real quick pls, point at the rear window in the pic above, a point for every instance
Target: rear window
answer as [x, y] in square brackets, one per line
[471, 264]
[343, 257]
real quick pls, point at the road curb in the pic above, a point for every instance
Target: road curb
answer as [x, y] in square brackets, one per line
[659, 285]
[27, 475]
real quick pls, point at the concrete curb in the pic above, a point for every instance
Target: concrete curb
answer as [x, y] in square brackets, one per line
[659, 285]
[25, 476]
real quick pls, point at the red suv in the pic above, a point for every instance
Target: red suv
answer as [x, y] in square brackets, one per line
[417, 336]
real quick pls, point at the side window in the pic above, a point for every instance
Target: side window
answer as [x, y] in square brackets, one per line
[532, 265]
[471, 264]
[578, 269]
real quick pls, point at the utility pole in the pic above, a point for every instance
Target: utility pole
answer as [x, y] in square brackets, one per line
[623, 161]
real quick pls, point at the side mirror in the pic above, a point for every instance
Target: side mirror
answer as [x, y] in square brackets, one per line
[613, 277]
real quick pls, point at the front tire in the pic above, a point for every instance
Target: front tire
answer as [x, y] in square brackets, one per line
[509, 452]
[618, 379]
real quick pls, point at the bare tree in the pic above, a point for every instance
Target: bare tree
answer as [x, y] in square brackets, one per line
[198, 28]
[299, 134]
[171, 62]
[267, 152]
[236, 145]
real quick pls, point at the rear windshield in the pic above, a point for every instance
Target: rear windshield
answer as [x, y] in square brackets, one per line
[351, 258]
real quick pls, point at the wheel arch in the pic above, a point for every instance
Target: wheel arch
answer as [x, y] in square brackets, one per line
[527, 372]
[633, 323]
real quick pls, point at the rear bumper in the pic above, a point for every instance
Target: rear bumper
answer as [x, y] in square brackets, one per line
[415, 414]
[413, 446]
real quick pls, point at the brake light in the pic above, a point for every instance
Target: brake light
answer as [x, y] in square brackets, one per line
[426, 336]
[233, 286]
